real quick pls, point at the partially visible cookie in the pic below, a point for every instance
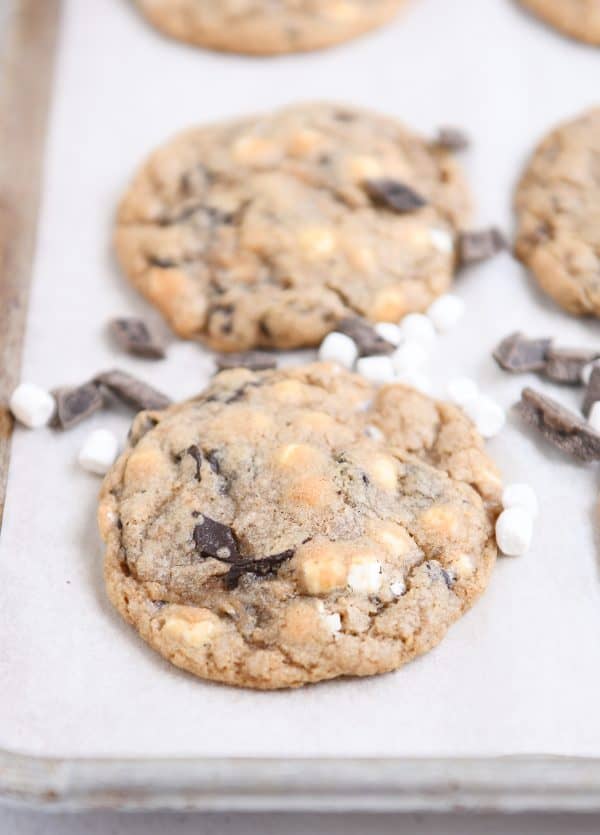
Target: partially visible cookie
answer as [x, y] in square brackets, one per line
[291, 526]
[267, 27]
[558, 212]
[578, 18]
[265, 232]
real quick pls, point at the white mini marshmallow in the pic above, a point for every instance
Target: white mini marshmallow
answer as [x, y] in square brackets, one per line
[32, 405]
[586, 371]
[520, 495]
[99, 452]
[416, 327]
[388, 331]
[594, 417]
[410, 356]
[446, 312]
[377, 369]
[416, 380]
[365, 577]
[337, 347]
[442, 240]
[487, 415]
[333, 622]
[514, 531]
[398, 588]
[462, 390]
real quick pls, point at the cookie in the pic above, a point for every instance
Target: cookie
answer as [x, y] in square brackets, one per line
[267, 27]
[558, 210]
[578, 18]
[265, 232]
[286, 527]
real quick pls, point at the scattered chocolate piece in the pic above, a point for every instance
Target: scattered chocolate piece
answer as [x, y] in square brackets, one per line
[135, 337]
[76, 404]
[452, 139]
[592, 391]
[479, 245]
[518, 354]
[559, 425]
[260, 568]
[394, 195]
[214, 539]
[565, 365]
[194, 451]
[366, 337]
[135, 393]
[254, 360]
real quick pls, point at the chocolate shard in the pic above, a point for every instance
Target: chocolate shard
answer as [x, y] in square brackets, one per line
[131, 391]
[366, 337]
[260, 568]
[479, 245]
[76, 404]
[214, 539]
[592, 391]
[518, 354]
[394, 195]
[452, 139]
[565, 365]
[135, 337]
[254, 360]
[562, 427]
[196, 454]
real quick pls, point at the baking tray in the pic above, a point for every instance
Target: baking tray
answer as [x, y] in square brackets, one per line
[503, 715]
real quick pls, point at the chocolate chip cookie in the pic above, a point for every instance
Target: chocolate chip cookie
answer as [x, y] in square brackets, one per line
[265, 232]
[267, 27]
[558, 209]
[286, 527]
[578, 18]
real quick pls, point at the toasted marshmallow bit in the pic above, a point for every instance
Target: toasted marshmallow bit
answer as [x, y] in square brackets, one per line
[410, 356]
[514, 531]
[441, 240]
[488, 417]
[337, 347]
[446, 312]
[398, 588]
[416, 327]
[390, 332]
[32, 405]
[333, 622]
[378, 369]
[462, 391]
[594, 416]
[364, 576]
[520, 495]
[99, 452]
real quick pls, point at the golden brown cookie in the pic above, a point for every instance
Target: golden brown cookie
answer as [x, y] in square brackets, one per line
[578, 18]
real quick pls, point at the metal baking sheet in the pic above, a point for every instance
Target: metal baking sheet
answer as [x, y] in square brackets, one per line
[503, 713]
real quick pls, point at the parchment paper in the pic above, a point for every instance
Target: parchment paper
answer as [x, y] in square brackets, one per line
[521, 672]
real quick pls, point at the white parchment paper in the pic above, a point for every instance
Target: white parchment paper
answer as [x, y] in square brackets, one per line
[521, 672]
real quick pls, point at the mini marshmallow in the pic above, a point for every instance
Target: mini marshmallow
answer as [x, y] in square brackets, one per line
[333, 622]
[378, 369]
[416, 327]
[390, 332]
[416, 380]
[365, 577]
[442, 240]
[594, 417]
[99, 452]
[462, 390]
[337, 347]
[410, 356]
[514, 531]
[488, 417]
[446, 312]
[398, 588]
[520, 495]
[32, 405]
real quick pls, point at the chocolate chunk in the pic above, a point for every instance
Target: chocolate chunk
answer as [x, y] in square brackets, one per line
[566, 364]
[519, 354]
[254, 360]
[592, 391]
[479, 245]
[260, 568]
[194, 451]
[452, 139]
[131, 391]
[213, 539]
[559, 425]
[135, 337]
[437, 572]
[394, 195]
[76, 404]
[366, 337]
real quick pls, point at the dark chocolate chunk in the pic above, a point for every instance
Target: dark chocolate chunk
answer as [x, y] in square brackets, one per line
[131, 391]
[254, 360]
[194, 451]
[366, 337]
[394, 195]
[559, 425]
[76, 404]
[214, 539]
[135, 337]
[452, 139]
[260, 568]
[479, 245]
[566, 364]
[592, 391]
[519, 354]
[213, 461]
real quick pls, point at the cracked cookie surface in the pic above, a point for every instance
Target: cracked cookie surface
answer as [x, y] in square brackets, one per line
[558, 211]
[578, 18]
[286, 527]
[267, 27]
[264, 232]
